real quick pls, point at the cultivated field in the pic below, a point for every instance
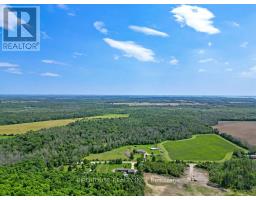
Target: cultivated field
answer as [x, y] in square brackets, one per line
[207, 147]
[34, 126]
[244, 130]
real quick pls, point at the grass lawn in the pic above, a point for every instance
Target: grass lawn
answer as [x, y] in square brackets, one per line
[106, 168]
[209, 147]
[120, 153]
[34, 126]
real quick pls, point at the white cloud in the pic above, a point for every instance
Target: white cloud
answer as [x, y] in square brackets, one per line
[116, 57]
[207, 60]
[250, 73]
[49, 74]
[8, 65]
[78, 54]
[201, 70]
[67, 9]
[10, 68]
[72, 14]
[195, 17]
[201, 51]
[244, 45]
[174, 61]
[100, 26]
[53, 62]
[131, 49]
[235, 24]
[148, 31]
[12, 23]
[229, 69]
[14, 71]
[209, 44]
[62, 6]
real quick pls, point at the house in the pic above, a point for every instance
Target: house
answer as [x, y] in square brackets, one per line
[154, 148]
[126, 170]
[140, 151]
[253, 156]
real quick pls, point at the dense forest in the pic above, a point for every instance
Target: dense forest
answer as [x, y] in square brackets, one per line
[175, 169]
[35, 178]
[20, 109]
[33, 163]
[238, 174]
[68, 144]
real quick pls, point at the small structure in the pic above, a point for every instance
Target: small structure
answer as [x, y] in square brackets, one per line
[253, 156]
[126, 170]
[141, 151]
[154, 148]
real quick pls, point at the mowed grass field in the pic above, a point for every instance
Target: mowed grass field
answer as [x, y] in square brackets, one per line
[122, 152]
[34, 126]
[209, 147]
[206, 147]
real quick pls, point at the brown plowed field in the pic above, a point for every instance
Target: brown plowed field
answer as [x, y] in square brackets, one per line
[244, 130]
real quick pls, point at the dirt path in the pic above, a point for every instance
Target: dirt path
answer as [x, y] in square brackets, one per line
[191, 172]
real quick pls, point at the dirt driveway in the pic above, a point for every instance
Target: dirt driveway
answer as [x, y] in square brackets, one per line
[194, 182]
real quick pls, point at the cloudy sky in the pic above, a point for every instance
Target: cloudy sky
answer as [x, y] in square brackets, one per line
[137, 49]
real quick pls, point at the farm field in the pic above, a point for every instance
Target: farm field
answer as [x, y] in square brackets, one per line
[207, 147]
[244, 130]
[122, 152]
[34, 126]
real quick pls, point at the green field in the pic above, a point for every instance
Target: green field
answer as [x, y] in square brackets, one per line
[208, 147]
[107, 168]
[34, 126]
[120, 153]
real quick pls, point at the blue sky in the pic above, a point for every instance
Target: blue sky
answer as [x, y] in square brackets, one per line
[138, 49]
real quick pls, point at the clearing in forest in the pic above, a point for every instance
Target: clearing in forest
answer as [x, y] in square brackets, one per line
[108, 168]
[124, 153]
[206, 147]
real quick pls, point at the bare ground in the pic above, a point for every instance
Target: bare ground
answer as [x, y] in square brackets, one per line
[246, 130]
[194, 182]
